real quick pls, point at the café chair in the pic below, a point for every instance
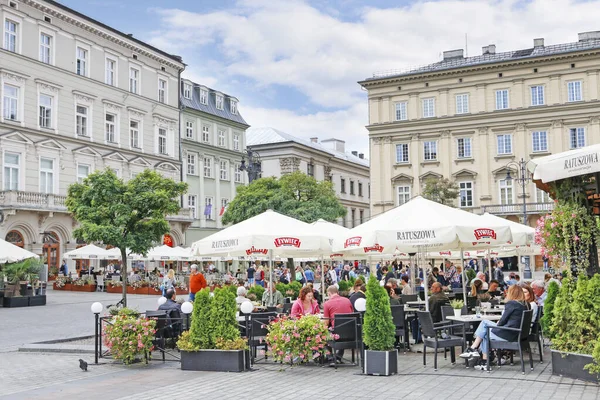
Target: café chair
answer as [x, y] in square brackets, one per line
[522, 342]
[439, 336]
[401, 328]
[536, 334]
[349, 331]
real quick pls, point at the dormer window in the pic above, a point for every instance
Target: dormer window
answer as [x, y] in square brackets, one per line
[187, 90]
[219, 101]
[233, 106]
[203, 96]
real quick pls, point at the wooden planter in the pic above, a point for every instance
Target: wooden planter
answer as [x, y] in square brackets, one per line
[182, 292]
[215, 360]
[114, 289]
[56, 287]
[84, 288]
[142, 290]
[384, 363]
[571, 365]
[154, 292]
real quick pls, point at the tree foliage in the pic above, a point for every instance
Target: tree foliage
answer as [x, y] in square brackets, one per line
[379, 330]
[443, 191]
[296, 195]
[553, 289]
[126, 215]
[201, 328]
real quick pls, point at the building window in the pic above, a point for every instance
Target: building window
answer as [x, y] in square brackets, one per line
[577, 137]
[574, 91]
[208, 167]
[111, 69]
[193, 205]
[219, 101]
[134, 77]
[205, 133]
[237, 174]
[403, 194]
[501, 99]
[189, 129]
[506, 192]
[45, 111]
[352, 187]
[462, 103]
[162, 91]
[83, 171]
[428, 108]
[504, 144]
[541, 196]
[430, 151]
[342, 185]
[360, 191]
[187, 90]
[540, 141]
[208, 208]
[466, 194]
[224, 170]
[10, 35]
[11, 171]
[464, 147]
[310, 169]
[233, 104]
[191, 164]
[45, 48]
[221, 136]
[352, 217]
[162, 141]
[401, 114]
[203, 96]
[134, 134]
[81, 116]
[361, 214]
[402, 153]
[82, 60]
[11, 103]
[537, 96]
[110, 128]
[46, 175]
[236, 142]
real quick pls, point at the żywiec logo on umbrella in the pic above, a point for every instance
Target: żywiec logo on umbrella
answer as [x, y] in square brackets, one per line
[374, 249]
[353, 241]
[445, 253]
[254, 250]
[287, 242]
[484, 233]
[336, 255]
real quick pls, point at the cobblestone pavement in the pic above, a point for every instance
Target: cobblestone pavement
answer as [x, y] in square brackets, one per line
[52, 376]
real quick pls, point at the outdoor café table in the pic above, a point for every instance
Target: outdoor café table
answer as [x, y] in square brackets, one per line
[473, 318]
[492, 310]
[417, 304]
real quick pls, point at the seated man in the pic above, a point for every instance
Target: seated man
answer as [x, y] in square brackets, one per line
[171, 303]
[272, 301]
[539, 289]
[241, 295]
[406, 289]
[336, 305]
[359, 292]
[437, 299]
[494, 289]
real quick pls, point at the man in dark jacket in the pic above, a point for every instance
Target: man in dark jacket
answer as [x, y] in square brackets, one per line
[170, 304]
[436, 301]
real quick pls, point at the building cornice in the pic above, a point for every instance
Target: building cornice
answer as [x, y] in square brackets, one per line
[214, 118]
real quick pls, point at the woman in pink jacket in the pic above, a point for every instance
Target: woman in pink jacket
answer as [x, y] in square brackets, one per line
[305, 304]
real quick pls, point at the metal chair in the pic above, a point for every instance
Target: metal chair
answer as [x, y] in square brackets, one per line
[348, 328]
[521, 343]
[258, 331]
[409, 297]
[536, 334]
[162, 330]
[100, 283]
[401, 328]
[434, 336]
[287, 308]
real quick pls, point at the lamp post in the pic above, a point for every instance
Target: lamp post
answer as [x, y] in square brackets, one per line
[522, 178]
[361, 306]
[187, 309]
[97, 309]
[254, 167]
[246, 307]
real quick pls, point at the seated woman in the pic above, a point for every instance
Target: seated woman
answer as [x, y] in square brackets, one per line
[305, 304]
[477, 291]
[530, 298]
[511, 318]
[394, 301]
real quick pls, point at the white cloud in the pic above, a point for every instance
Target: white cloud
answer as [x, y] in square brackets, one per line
[293, 44]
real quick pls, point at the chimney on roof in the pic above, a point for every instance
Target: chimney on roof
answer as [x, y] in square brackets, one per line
[584, 36]
[453, 54]
[314, 140]
[355, 153]
[537, 43]
[361, 156]
[489, 49]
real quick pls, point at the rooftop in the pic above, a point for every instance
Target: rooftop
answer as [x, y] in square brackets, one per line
[266, 135]
[454, 59]
[211, 107]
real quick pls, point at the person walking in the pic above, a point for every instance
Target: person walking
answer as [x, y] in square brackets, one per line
[197, 282]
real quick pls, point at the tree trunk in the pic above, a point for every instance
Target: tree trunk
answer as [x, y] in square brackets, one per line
[124, 274]
[292, 269]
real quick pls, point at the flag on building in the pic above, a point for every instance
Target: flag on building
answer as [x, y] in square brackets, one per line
[208, 210]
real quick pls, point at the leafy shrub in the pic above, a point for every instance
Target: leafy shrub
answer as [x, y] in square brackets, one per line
[344, 286]
[471, 274]
[289, 290]
[129, 337]
[553, 289]
[257, 290]
[379, 330]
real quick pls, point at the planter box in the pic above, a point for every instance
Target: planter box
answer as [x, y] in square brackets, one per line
[384, 363]
[15, 301]
[84, 288]
[114, 289]
[142, 290]
[37, 300]
[182, 292]
[571, 365]
[154, 292]
[215, 360]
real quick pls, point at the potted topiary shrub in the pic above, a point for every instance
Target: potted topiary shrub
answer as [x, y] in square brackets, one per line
[213, 342]
[546, 321]
[19, 275]
[457, 305]
[379, 332]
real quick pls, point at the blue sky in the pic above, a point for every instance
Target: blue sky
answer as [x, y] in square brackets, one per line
[294, 64]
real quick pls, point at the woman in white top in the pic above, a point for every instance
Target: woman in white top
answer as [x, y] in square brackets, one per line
[530, 298]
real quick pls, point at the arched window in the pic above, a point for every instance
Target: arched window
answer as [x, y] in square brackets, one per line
[15, 238]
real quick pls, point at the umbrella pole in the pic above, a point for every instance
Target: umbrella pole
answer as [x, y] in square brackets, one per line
[322, 279]
[420, 259]
[271, 276]
[464, 275]
[489, 263]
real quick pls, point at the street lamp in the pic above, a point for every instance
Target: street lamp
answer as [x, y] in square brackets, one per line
[187, 308]
[254, 167]
[246, 308]
[361, 306]
[97, 309]
[522, 178]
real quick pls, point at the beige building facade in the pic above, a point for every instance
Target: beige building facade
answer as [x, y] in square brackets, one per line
[77, 96]
[473, 119]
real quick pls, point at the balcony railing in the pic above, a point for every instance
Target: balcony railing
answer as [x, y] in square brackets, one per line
[517, 209]
[32, 201]
[184, 215]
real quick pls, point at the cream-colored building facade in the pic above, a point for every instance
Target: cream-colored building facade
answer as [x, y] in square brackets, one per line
[467, 119]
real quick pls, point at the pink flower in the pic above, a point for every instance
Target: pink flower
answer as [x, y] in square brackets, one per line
[576, 238]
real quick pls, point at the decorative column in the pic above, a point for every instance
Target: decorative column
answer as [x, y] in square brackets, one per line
[517, 95]
[413, 106]
[483, 138]
[592, 85]
[594, 136]
[479, 105]
[556, 136]
[554, 95]
[387, 168]
[200, 200]
[217, 203]
[232, 186]
[443, 103]
[385, 109]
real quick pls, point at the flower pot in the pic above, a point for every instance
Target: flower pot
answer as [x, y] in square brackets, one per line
[68, 286]
[154, 292]
[87, 288]
[19, 301]
[215, 360]
[37, 300]
[571, 365]
[384, 363]
[142, 290]
[181, 292]
[457, 312]
[114, 289]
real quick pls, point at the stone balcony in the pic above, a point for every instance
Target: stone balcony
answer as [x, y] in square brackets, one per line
[517, 209]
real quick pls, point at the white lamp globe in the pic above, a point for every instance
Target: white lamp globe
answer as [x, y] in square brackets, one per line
[187, 307]
[161, 300]
[360, 305]
[382, 283]
[246, 307]
[97, 308]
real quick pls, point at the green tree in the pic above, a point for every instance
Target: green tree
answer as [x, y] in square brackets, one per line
[201, 329]
[125, 215]
[379, 330]
[442, 191]
[546, 321]
[225, 325]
